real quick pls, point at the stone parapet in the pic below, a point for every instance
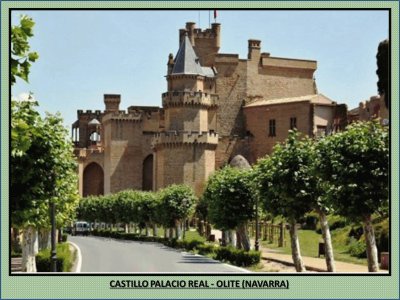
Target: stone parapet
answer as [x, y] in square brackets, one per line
[85, 152]
[184, 137]
[170, 99]
[122, 116]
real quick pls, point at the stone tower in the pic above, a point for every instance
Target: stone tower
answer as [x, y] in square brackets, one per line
[185, 150]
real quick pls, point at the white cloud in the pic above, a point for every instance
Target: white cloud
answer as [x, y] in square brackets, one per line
[24, 97]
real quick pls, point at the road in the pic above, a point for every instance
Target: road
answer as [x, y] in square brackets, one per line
[109, 255]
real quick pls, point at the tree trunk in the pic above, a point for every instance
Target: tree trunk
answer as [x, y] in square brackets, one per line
[44, 238]
[372, 251]
[238, 241]
[155, 230]
[232, 238]
[29, 249]
[294, 242]
[178, 228]
[147, 231]
[183, 228]
[201, 227]
[223, 238]
[244, 237]
[171, 233]
[326, 235]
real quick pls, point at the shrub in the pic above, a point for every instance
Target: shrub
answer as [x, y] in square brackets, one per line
[237, 257]
[64, 237]
[205, 249]
[64, 259]
[357, 248]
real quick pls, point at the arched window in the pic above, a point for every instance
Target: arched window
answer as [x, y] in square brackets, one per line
[94, 137]
[148, 173]
[93, 180]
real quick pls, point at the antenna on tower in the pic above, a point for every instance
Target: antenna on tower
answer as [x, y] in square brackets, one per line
[215, 16]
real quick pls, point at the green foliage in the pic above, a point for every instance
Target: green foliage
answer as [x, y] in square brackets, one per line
[177, 203]
[354, 164]
[65, 259]
[357, 248]
[43, 167]
[21, 57]
[230, 198]
[237, 257]
[285, 180]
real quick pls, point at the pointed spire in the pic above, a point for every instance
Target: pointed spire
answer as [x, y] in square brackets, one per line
[186, 60]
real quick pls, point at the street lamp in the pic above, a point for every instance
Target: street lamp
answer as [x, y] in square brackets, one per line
[53, 237]
[256, 244]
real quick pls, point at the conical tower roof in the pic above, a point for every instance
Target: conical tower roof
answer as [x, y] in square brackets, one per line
[186, 60]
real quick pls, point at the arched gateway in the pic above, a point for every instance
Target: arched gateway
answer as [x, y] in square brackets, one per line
[93, 180]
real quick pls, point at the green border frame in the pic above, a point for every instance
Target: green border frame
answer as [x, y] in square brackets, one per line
[300, 287]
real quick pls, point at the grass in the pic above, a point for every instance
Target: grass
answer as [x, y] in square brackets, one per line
[63, 254]
[309, 240]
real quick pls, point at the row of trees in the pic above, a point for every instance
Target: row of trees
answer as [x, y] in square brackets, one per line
[43, 168]
[345, 173]
[169, 208]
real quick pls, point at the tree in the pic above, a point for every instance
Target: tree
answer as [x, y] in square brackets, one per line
[355, 164]
[231, 200]
[285, 188]
[21, 57]
[178, 203]
[43, 166]
[383, 70]
[43, 171]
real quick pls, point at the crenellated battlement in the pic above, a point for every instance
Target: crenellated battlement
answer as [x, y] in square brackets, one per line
[180, 98]
[123, 116]
[184, 137]
[89, 112]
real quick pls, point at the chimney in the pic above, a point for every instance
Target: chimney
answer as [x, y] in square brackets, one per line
[254, 50]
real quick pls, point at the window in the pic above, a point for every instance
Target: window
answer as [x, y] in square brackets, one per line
[272, 128]
[293, 123]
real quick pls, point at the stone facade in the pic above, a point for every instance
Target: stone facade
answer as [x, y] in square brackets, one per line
[371, 109]
[216, 106]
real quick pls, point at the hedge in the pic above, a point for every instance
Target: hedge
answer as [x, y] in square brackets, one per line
[64, 259]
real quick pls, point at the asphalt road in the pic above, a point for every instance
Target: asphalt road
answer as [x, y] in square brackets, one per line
[110, 255]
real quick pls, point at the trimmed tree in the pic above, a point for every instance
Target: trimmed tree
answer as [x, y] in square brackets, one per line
[231, 200]
[283, 186]
[178, 203]
[354, 164]
[43, 171]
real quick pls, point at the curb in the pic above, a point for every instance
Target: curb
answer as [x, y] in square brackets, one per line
[78, 262]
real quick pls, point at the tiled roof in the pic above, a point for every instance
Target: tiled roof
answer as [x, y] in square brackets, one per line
[186, 60]
[316, 99]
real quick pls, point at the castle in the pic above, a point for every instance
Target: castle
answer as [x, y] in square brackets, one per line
[216, 106]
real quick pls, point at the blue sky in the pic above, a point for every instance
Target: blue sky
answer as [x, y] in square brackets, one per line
[85, 54]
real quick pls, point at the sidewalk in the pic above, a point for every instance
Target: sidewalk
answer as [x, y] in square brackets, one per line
[313, 263]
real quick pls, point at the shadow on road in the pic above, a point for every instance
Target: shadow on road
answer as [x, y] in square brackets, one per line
[197, 260]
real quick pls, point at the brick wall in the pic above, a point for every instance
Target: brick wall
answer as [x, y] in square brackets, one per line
[257, 122]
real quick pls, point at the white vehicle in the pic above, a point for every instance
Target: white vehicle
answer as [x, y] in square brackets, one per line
[81, 227]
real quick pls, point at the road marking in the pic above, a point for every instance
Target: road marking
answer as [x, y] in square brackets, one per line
[79, 257]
